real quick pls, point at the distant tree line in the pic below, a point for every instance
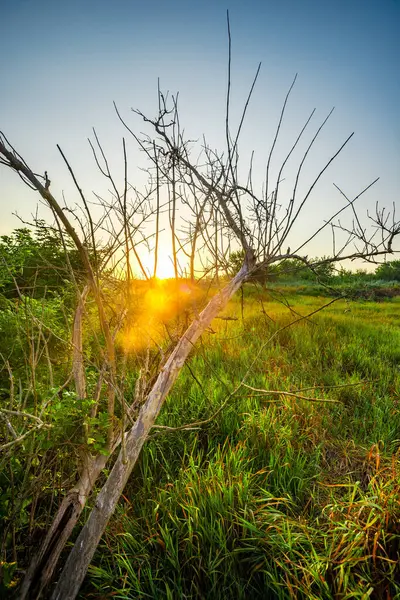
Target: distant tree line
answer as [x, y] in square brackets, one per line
[294, 270]
[35, 264]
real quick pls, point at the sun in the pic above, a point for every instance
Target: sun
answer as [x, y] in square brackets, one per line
[165, 266]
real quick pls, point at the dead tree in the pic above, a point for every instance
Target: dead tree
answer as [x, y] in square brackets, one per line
[226, 214]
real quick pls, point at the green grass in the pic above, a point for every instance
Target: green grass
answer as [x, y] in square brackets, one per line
[277, 497]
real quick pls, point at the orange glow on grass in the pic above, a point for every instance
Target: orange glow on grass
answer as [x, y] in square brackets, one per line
[161, 301]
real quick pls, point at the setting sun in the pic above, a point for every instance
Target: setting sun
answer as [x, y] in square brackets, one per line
[165, 265]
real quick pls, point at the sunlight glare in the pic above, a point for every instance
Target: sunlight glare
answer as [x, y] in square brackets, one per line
[160, 301]
[165, 265]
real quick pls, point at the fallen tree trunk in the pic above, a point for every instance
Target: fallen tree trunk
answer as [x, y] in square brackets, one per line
[85, 546]
[42, 566]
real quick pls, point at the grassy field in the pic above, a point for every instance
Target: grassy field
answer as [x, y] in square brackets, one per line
[277, 496]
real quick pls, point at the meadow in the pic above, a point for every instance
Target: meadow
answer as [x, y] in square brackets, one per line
[276, 496]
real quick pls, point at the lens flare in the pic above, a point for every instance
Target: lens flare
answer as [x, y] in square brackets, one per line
[161, 301]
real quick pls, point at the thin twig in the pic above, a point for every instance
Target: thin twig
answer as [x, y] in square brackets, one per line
[291, 394]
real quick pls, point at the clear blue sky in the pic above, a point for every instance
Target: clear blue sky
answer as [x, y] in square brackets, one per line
[63, 63]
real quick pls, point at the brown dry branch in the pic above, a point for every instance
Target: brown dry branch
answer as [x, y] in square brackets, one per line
[261, 392]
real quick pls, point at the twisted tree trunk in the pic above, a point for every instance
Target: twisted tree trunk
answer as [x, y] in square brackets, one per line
[82, 553]
[42, 566]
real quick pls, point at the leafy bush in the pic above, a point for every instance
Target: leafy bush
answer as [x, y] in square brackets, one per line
[389, 271]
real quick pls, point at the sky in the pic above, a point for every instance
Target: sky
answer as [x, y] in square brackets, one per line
[64, 63]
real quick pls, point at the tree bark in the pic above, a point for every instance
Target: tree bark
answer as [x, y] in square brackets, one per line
[82, 553]
[41, 568]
